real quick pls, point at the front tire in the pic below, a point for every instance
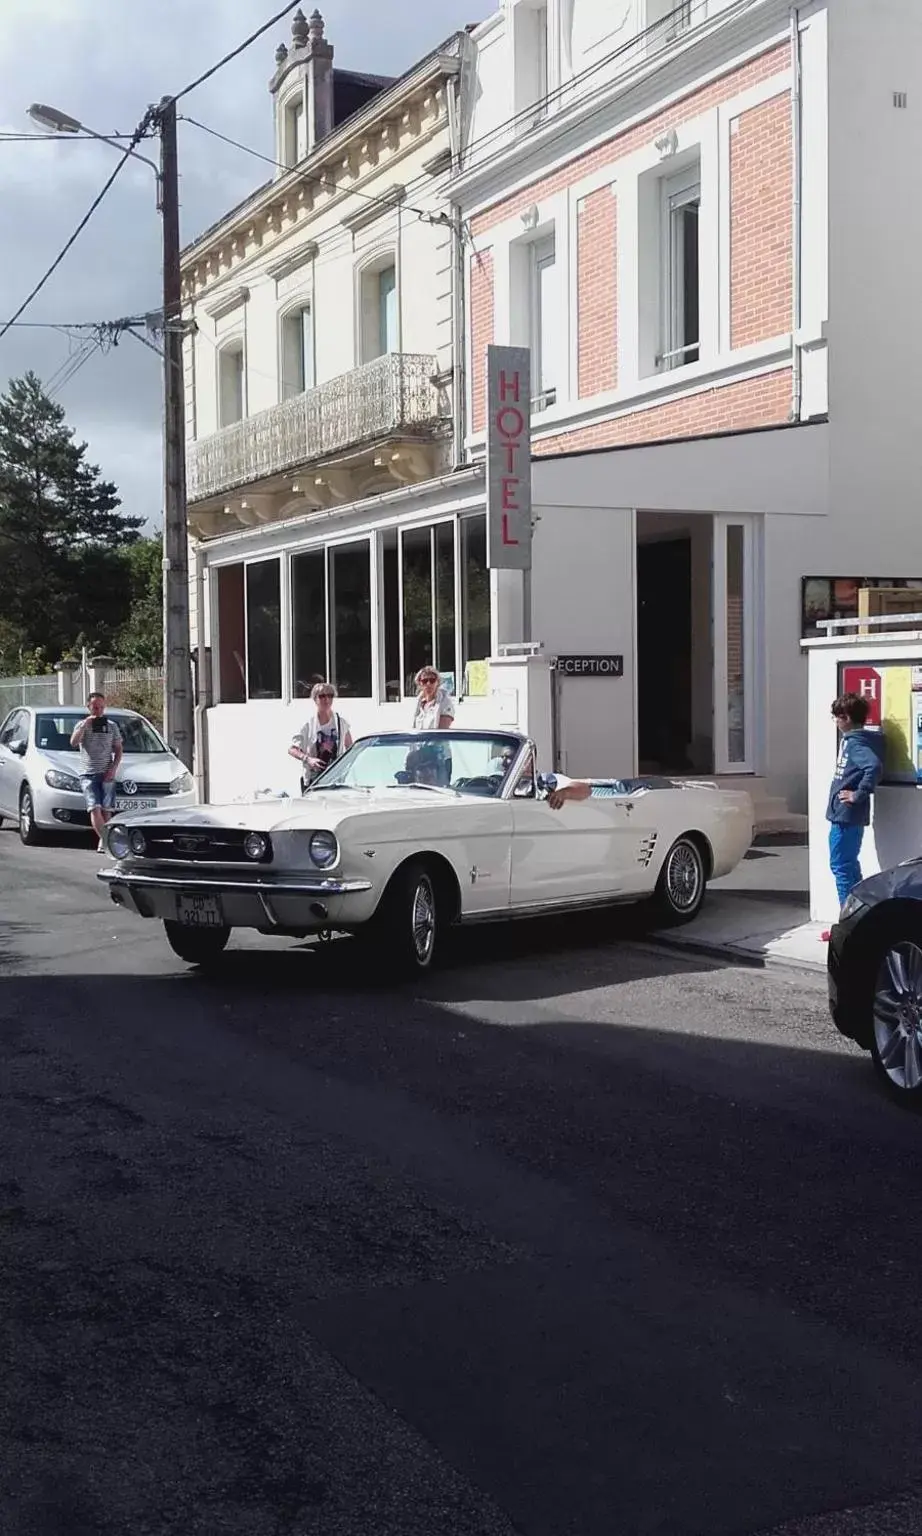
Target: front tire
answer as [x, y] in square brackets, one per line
[681, 885]
[28, 831]
[197, 946]
[896, 1032]
[407, 931]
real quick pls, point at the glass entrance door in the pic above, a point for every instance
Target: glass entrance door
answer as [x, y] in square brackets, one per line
[737, 690]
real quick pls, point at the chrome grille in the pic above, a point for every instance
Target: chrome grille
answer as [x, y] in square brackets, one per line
[200, 845]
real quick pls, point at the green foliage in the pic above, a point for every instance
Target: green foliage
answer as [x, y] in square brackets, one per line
[139, 643]
[63, 540]
[145, 697]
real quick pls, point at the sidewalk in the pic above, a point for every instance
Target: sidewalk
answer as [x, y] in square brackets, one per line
[760, 913]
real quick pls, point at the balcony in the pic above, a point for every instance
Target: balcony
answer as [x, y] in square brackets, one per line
[392, 396]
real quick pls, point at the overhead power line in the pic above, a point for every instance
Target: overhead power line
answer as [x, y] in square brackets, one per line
[235, 52]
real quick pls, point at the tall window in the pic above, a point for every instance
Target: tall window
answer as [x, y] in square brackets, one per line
[331, 618]
[475, 591]
[681, 278]
[295, 131]
[378, 298]
[230, 383]
[543, 80]
[428, 573]
[249, 608]
[297, 352]
[264, 630]
[545, 323]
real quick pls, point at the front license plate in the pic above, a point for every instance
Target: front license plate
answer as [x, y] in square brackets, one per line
[200, 911]
[135, 805]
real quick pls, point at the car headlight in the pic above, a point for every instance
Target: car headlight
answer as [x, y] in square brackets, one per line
[117, 839]
[853, 905]
[55, 779]
[137, 842]
[323, 849]
[256, 845]
[183, 785]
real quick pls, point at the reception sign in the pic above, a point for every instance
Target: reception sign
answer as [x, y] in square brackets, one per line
[893, 690]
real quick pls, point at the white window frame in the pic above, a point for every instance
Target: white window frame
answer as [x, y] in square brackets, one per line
[542, 254]
[678, 192]
[368, 317]
[232, 346]
[306, 353]
[752, 678]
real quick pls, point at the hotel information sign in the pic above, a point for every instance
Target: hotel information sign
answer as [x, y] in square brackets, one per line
[509, 458]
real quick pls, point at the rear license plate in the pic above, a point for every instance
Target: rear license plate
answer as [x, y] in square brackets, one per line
[200, 911]
[135, 805]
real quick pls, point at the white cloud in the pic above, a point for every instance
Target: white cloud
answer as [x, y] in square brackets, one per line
[104, 62]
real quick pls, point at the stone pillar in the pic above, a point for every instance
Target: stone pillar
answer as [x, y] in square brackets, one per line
[68, 675]
[99, 669]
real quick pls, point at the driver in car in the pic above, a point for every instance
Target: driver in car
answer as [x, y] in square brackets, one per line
[425, 765]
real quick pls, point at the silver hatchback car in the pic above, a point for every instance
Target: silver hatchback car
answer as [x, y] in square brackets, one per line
[40, 785]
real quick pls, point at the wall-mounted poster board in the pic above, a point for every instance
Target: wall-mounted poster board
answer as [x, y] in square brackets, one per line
[893, 690]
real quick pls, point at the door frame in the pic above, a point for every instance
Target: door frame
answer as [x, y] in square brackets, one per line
[753, 676]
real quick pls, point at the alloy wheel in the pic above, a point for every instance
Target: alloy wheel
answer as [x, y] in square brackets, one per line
[898, 1016]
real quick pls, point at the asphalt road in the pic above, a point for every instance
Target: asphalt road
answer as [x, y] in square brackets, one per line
[580, 1238]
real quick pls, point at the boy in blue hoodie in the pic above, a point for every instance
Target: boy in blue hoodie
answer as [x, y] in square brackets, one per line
[859, 766]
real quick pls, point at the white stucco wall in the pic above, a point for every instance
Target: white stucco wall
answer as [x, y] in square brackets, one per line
[896, 826]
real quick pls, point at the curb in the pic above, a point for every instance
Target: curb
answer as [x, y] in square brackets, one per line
[714, 950]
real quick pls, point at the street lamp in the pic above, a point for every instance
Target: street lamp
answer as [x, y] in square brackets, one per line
[60, 122]
[178, 703]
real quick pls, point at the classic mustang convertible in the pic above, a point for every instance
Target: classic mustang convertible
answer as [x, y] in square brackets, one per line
[406, 835]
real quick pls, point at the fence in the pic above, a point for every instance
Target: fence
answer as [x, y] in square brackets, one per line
[27, 690]
[139, 688]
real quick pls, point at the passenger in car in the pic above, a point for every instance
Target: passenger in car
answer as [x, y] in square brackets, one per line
[584, 789]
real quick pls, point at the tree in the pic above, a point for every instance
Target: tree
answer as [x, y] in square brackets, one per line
[140, 640]
[61, 530]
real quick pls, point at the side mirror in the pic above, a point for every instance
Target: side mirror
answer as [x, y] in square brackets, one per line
[547, 783]
[18, 748]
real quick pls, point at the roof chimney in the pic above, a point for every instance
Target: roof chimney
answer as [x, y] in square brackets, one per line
[303, 73]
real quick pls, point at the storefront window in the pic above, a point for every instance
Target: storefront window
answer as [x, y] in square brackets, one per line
[309, 621]
[475, 599]
[443, 555]
[390, 558]
[855, 597]
[736, 650]
[232, 677]
[416, 557]
[264, 630]
[350, 619]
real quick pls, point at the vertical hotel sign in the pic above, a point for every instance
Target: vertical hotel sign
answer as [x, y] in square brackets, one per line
[509, 458]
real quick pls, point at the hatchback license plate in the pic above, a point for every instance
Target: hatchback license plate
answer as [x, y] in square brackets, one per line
[135, 805]
[200, 911]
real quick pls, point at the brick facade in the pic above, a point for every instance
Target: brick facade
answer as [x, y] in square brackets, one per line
[597, 288]
[761, 175]
[480, 291]
[759, 402]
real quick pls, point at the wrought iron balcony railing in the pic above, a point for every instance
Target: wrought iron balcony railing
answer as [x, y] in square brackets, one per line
[392, 394]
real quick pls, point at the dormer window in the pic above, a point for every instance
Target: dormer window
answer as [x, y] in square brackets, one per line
[295, 145]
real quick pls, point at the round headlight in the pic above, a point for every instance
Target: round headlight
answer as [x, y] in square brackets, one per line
[137, 842]
[255, 845]
[324, 849]
[119, 846]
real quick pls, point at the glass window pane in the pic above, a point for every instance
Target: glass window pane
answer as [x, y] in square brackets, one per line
[475, 591]
[417, 604]
[387, 309]
[307, 348]
[736, 651]
[264, 630]
[445, 598]
[350, 619]
[309, 621]
[231, 642]
[549, 319]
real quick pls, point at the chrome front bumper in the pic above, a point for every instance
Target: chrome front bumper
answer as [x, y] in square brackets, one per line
[305, 904]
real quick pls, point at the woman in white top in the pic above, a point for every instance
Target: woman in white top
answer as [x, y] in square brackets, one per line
[435, 708]
[323, 737]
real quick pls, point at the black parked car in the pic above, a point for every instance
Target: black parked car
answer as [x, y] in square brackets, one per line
[875, 975]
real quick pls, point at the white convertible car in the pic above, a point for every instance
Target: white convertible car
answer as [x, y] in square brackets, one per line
[406, 835]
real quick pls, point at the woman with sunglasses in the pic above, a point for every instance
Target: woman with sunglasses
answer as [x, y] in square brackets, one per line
[323, 737]
[435, 707]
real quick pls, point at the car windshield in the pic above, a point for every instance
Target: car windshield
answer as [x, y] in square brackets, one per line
[447, 760]
[53, 733]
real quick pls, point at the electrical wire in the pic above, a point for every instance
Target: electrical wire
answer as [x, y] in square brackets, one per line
[62, 138]
[235, 52]
[136, 137]
[320, 181]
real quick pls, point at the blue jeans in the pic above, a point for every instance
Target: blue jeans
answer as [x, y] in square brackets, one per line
[98, 792]
[844, 848]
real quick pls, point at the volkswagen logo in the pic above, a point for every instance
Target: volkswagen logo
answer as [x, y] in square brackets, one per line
[129, 787]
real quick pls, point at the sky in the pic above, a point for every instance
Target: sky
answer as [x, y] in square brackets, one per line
[103, 62]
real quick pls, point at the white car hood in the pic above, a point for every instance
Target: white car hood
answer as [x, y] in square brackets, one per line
[317, 809]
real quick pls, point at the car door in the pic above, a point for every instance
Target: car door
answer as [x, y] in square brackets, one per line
[15, 729]
[588, 849]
